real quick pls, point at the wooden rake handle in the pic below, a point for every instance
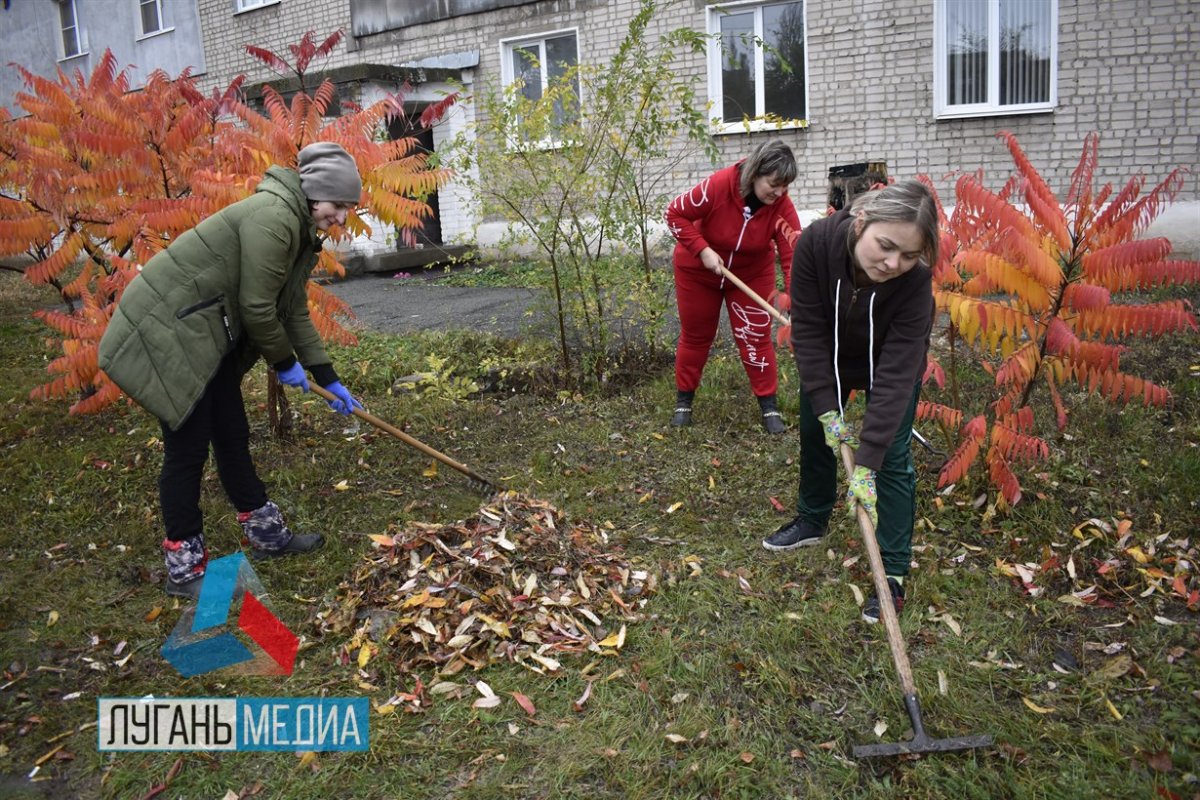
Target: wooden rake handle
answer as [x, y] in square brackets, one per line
[404, 437]
[891, 622]
[756, 297]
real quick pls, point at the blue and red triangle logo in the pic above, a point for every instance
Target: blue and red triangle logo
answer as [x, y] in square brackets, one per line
[203, 640]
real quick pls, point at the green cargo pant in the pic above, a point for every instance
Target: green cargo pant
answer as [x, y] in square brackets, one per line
[896, 483]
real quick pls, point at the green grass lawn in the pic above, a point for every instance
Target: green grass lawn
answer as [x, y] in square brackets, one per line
[748, 675]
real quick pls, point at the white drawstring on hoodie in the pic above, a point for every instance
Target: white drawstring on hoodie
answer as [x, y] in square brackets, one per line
[746, 214]
[837, 318]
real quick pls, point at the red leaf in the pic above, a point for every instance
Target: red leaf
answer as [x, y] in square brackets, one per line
[778, 505]
[525, 703]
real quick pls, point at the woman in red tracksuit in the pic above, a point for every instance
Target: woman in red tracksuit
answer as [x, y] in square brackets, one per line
[739, 218]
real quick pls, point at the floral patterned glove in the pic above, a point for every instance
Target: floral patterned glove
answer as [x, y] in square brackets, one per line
[862, 490]
[837, 431]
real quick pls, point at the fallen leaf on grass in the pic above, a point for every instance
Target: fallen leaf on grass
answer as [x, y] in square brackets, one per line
[616, 640]
[341, 485]
[1159, 761]
[881, 728]
[51, 619]
[431, 470]
[1035, 707]
[153, 614]
[1116, 667]
[746, 758]
[671, 509]
[525, 703]
[1113, 710]
[675, 738]
[583, 698]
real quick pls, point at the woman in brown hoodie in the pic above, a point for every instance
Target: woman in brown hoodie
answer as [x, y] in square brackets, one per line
[862, 310]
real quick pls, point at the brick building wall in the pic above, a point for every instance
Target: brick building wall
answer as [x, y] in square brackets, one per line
[1126, 68]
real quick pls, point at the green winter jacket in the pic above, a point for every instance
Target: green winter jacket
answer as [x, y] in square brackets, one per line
[237, 281]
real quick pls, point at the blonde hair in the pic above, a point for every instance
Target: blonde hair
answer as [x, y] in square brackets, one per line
[772, 158]
[903, 201]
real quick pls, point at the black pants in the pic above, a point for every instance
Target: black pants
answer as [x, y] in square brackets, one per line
[219, 419]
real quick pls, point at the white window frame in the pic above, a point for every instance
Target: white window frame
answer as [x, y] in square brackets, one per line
[992, 107]
[76, 33]
[761, 121]
[242, 6]
[162, 26]
[506, 70]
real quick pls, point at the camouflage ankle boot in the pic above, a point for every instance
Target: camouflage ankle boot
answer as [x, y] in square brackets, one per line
[186, 562]
[269, 536]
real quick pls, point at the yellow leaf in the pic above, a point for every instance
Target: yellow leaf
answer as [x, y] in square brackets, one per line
[384, 710]
[307, 758]
[153, 615]
[415, 600]
[1035, 707]
[711, 483]
[671, 509]
[1113, 710]
[341, 486]
[1138, 554]
[364, 655]
[382, 540]
[431, 472]
[51, 618]
[498, 627]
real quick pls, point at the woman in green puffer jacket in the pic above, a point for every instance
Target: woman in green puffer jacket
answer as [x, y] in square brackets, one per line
[198, 317]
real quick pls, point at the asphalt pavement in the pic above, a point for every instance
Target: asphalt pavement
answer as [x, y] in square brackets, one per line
[403, 305]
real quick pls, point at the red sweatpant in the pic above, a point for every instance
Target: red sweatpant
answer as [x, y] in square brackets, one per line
[699, 293]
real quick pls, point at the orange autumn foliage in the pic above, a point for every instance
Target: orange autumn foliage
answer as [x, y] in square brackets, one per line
[97, 179]
[1039, 289]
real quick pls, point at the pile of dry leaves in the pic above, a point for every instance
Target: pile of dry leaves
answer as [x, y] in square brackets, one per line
[518, 582]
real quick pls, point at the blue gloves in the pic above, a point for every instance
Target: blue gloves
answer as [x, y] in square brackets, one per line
[345, 402]
[293, 376]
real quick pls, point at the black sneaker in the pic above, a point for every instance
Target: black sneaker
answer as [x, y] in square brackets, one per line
[797, 533]
[870, 612]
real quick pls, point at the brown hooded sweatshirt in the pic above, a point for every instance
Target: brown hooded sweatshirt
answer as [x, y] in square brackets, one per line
[879, 333]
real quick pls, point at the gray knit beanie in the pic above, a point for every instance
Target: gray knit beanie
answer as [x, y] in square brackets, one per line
[328, 172]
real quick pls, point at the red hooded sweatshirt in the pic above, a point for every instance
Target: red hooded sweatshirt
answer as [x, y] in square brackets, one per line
[713, 214]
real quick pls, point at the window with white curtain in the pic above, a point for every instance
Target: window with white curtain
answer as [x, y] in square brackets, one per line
[995, 57]
[752, 87]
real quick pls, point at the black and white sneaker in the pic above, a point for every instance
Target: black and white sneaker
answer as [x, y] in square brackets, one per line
[870, 612]
[797, 533]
